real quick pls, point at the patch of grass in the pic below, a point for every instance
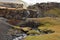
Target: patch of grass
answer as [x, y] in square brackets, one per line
[43, 28]
[33, 32]
[53, 12]
[49, 23]
[26, 29]
[44, 37]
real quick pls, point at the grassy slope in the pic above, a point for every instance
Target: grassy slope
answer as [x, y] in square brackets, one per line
[44, 37]
[55, 11]
[50, 23]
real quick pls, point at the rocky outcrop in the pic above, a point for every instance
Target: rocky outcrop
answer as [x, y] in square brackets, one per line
[11, 5]
[47, 9]
[45, 6]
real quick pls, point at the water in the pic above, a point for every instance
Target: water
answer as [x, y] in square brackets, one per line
[21, 37]
[28, 13]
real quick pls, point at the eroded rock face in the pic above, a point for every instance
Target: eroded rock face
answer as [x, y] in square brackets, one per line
[11, 5]
[12, 14]
[17, 15]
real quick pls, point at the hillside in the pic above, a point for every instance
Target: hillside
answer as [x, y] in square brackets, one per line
[47, 9]
[48, 23]
[38, 22]
[42, 10]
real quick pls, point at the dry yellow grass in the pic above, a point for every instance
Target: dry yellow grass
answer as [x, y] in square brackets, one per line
[44, 37]
[52, 36]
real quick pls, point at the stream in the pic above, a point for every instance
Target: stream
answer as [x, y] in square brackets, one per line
[20, 37]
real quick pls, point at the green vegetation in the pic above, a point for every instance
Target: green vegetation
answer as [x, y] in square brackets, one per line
[44, 37]
[49, 23]
[33, 32]
[53, 12]
[26, 29]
